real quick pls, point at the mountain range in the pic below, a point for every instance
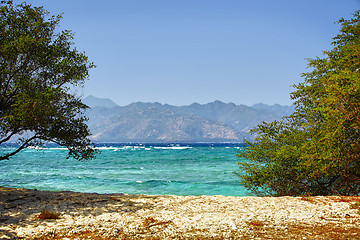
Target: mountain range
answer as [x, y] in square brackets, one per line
[155, 122]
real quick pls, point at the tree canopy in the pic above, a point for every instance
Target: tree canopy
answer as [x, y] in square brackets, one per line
[316, 150]
[39, 68]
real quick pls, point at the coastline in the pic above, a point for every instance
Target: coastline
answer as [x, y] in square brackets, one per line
[123, 216]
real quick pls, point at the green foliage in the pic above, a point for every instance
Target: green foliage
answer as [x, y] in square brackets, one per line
[355, 205]
[38, 70]
[316, 150]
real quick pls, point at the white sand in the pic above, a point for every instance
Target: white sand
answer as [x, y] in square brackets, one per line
[169, 217]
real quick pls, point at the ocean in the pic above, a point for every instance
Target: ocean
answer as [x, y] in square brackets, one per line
[154, 169]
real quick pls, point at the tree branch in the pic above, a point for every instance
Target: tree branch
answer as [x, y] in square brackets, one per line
[8, 137]
[24, 145]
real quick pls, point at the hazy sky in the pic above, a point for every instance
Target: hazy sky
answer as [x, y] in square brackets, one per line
[184, 51]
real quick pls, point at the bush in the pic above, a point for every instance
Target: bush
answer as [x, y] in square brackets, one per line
[46, 214]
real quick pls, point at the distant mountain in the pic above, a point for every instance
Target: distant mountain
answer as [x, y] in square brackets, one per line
[155, 122]
[92, 102]
[240, 117]
[275, 109]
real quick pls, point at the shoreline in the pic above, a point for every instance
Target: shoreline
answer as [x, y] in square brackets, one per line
[123, 216]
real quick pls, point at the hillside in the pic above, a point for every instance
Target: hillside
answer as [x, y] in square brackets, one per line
[155, 122]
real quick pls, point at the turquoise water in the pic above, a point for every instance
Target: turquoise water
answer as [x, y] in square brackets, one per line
[140, 169]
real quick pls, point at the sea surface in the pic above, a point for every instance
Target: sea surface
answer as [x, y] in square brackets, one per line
[154, 169]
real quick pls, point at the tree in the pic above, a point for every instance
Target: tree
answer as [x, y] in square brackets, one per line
[316, 150]
[38, 70]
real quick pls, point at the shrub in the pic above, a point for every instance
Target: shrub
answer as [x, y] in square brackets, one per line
[46, 214]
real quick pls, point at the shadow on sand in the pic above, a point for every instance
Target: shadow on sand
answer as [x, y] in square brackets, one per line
[20, 207]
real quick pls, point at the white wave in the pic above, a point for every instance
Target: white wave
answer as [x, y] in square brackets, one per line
[106, 148]
[174, 148]
[46, 148]
[133, 148]
[36, 147]
[114, 148]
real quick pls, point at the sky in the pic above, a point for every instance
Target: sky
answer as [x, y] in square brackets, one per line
[184, 51]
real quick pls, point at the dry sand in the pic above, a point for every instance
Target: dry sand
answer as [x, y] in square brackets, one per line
[122, 216]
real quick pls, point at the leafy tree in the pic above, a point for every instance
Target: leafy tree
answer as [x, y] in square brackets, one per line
[38, 70]
[316, 150]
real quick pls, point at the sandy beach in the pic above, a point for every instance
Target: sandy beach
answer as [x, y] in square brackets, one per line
[122, 216]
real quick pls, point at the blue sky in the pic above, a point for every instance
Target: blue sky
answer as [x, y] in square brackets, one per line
[184, 51]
